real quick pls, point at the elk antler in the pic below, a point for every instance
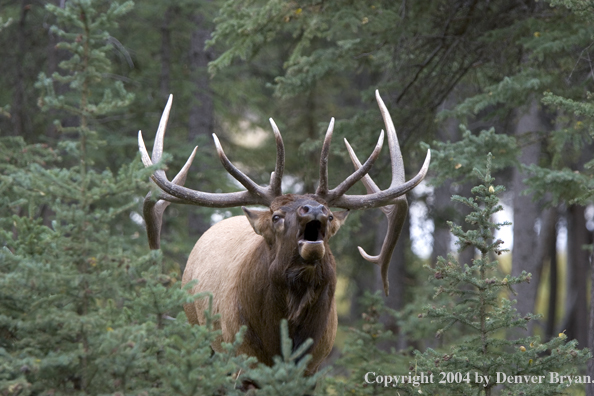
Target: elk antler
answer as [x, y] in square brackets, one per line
[391, 201]
[174, 191]
[334, 194]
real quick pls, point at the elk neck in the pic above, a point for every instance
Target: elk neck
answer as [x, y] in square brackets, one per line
[303, 293]
[297, 291]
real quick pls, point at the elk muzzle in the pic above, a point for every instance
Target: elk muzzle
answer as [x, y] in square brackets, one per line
[313, 223]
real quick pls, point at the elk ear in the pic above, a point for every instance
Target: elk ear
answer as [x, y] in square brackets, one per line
[339, 219]
[259, 219]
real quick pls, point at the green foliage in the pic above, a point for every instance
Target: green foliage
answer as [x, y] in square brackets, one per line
[579, 7]
[456, 160]
[331, 38]
[511, 91]
[88, 97]
[561, 185]
[555, 44]
[365, 351]
[478, 304]
[286, 375]
[337, 53]
[567, 143]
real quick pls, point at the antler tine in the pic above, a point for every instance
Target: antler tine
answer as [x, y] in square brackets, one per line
[358, 173]
[396, 215]
[175, 192]
[276, 178]
[180, 178]
[367, 181]
[158, 146]
[395, 154]
[322, 189]
[236, 173]
[350, 181]
[144, 156]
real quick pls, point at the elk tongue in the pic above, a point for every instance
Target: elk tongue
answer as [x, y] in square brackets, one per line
[311, 250]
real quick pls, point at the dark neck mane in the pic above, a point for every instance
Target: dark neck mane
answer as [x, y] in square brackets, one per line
[302, 294]
[307, 292]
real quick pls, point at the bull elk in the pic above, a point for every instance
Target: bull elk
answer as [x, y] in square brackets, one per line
[276, 263]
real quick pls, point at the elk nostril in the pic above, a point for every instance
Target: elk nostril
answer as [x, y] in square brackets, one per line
[315, 211]
[305, 209]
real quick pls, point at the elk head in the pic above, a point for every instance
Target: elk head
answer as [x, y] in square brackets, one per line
[302, 222]
[310, 215]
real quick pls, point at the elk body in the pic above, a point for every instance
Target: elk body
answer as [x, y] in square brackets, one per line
[276, 263]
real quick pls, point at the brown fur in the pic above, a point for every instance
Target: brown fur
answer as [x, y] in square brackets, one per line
[257, 280]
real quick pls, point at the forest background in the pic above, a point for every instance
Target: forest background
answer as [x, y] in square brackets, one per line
[466, 78]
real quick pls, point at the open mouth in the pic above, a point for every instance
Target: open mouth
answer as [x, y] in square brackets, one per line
[311, 241]
[313, 231]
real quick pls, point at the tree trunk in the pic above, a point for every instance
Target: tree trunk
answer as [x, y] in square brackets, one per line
[553, 289]
[527, 252]
[442, 209]
[590, 371]
[18, 114]
[201, 119]
[164, 76]
[578, 262]
[547, 237]
[310, 176]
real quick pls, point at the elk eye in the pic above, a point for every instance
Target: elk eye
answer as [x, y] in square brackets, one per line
[330, 217]
[275, 218]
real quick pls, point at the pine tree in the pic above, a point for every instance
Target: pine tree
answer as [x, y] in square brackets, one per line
[477, 305]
